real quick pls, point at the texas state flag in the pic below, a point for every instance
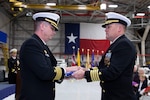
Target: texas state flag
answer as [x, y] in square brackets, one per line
[85, 36]
[3, 37]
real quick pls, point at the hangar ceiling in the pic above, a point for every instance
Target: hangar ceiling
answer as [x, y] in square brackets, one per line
[70, 12]
[89, 11]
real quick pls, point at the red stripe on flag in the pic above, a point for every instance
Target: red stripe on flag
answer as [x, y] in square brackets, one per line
[101, 45]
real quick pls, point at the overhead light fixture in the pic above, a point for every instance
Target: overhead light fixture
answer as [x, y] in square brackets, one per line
[17, 9]
[51, 4]
[12, 0]
[82, 7]
[148, 7]
[24, 6]
[140, 14]
[112, 6]
[103, 6]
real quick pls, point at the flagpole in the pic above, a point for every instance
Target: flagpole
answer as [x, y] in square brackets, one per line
[82, 58]
[73, 57]
[88, 59]
[97, 58]
[78, 58]
[102, 52]
[92, 59]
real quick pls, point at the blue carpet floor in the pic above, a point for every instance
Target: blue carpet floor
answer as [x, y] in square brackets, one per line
[6, 89]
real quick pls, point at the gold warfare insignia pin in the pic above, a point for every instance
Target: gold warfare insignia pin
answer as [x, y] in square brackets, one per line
[46, 54]
[45, 51]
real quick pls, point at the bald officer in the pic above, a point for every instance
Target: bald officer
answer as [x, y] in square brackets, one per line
[115, 69]
[38, 65]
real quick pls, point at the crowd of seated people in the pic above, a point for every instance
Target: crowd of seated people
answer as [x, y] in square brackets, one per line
[141, 82]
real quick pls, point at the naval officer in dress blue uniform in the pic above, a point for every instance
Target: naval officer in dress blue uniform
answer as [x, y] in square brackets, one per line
[115, 69]
[13, 65]
[37, 63]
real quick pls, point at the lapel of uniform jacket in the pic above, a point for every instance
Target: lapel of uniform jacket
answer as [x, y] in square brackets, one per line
[53, 60]
[46, 50]
[109, 51]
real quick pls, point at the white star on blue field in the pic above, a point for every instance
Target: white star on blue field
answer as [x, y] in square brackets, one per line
[72, 38]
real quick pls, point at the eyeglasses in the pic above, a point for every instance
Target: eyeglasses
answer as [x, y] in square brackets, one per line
[49, 25]
[52, 28]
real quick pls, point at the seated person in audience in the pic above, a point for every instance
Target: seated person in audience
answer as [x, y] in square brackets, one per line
[135, 75]
[140, 71]
[139, 82]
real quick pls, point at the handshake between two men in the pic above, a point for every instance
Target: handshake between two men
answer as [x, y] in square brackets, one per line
[76, 72]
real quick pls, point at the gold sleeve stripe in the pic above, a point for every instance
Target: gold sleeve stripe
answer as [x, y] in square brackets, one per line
[94, 74]
[95, 68]
[58, 72]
